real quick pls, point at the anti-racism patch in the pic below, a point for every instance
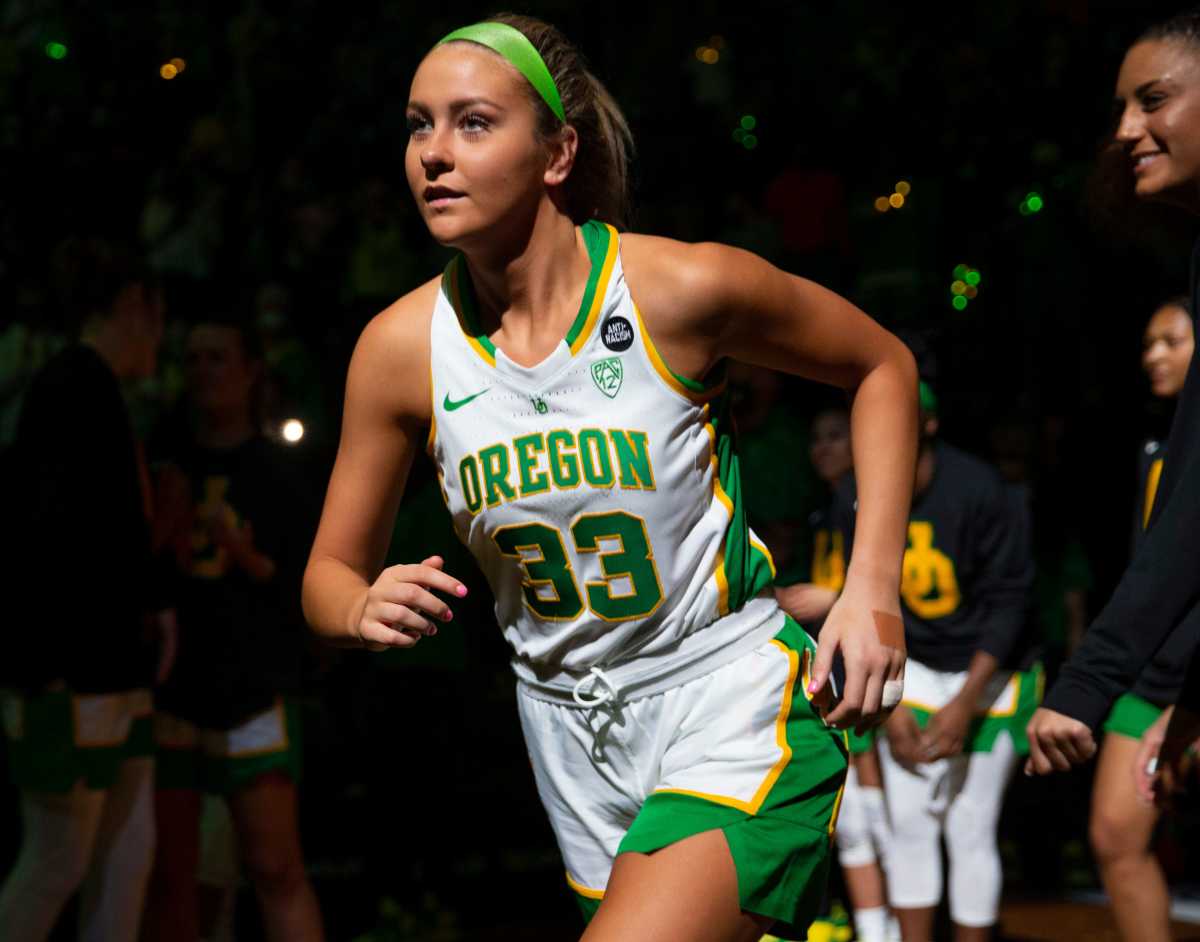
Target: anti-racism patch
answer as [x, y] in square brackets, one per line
[617, 333]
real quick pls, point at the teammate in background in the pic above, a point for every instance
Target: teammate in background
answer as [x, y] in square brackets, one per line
[598, 488]
[83, 603]
[1122, 825]
[226, 723]
[1156, 95]
[862, 832]
[951, 746]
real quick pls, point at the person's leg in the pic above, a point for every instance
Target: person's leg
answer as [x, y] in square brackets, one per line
[114, 891]
[976, 876]
[1121, 828]
[686, 892]
[857, 855]
[914, 860]
[171, 903]
[268, 832]
[219, 872]
[59, 833]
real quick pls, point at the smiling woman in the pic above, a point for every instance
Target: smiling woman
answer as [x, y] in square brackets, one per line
[1156, 603]
[584, 447]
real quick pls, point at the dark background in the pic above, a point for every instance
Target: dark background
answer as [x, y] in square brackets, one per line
[269, 172]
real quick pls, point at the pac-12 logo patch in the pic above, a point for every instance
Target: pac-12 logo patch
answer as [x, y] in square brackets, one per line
[617, 333]
[607, 374]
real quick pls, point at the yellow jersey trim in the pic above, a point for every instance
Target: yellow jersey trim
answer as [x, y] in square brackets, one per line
[589, 325]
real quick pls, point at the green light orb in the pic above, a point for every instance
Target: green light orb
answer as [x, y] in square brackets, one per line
[960, 302]
[973, 277]
[56, 50]
[960, 272]
[749, 122]
[738, 134]
[1034, 202]
[749, 142]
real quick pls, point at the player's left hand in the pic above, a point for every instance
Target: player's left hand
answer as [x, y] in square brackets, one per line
[853, 628]
[946, 731]
[1176, 765]
[1057, 742]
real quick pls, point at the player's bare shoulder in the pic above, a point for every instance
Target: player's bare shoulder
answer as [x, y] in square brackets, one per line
[678, 285]
[390, 365]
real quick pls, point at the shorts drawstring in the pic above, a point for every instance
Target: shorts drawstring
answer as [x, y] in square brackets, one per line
[594, 698]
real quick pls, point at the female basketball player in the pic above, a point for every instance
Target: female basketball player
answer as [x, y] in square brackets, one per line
[1122, 825]
[571, 388]
[1158, 96]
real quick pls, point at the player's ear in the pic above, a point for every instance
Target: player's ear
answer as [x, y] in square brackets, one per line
[562, 148]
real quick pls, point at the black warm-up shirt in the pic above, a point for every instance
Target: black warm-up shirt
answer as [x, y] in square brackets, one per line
[240, 641]
[968, 565]
[1159, 594]
[81, 576]
[1161, 678]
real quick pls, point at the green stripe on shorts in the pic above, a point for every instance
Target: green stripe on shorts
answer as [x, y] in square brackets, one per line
[984, 730]
[192, 757]
[782, 850]
[1131, 716]
[44, 735]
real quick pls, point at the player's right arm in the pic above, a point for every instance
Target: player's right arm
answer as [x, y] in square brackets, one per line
[347, 599]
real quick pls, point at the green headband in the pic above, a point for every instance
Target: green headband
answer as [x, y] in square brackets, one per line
[514, 46]
[928, 398]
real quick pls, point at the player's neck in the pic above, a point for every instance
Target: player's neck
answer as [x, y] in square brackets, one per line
[531, 287]
[225, 428]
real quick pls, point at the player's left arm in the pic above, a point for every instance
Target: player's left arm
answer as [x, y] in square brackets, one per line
[707, 302]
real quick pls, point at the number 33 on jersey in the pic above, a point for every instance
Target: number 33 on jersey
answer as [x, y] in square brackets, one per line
[598, 490]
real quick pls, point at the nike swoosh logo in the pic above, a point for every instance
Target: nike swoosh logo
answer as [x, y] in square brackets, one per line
[450, 405]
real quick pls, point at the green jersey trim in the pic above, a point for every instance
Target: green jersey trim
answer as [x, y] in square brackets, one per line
[600, 240]
[745, 567]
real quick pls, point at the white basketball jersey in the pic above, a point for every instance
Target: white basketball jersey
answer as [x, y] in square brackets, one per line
[598, 491]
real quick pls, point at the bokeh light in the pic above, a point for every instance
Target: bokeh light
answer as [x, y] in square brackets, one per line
[882, 205]
[179, 64]
[748, 122]
[965, 287]
[904, 188]
[292, 431]
[168, 71]
[897, 200]
[56, 50]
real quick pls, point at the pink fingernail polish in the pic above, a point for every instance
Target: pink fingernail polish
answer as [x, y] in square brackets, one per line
[461, 591]
[449, 614]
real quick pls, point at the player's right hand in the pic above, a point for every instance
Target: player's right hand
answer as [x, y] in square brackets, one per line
[399, 608]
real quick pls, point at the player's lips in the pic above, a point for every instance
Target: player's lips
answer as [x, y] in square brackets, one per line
[1142, 161]
[440, 196]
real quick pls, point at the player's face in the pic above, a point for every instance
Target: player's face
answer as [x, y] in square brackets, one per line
[1158, 100]
[220, 377]
[474, 161]
[829, 448]
[1167, 348]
